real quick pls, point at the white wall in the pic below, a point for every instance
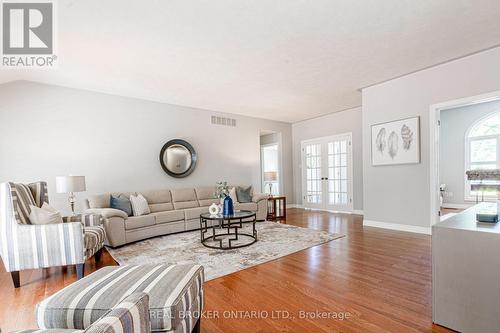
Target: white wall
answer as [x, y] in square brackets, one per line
[454, 125]
[335, 123]
[401, 194]
[115, 141]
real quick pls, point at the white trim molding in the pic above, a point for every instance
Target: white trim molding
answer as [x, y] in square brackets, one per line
[396, 226]
[358, 212]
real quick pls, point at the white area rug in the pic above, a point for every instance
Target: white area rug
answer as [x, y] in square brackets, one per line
[274, 241]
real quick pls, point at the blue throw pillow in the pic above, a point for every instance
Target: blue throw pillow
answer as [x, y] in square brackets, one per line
[121, 203]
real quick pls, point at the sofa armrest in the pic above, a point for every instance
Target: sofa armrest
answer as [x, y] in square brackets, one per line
[131, 315]
[108, 212]
[259, 197]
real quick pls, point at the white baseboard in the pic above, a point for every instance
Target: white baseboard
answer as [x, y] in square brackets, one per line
[355, 211]
[397, 226]
[456, 205]
[294, 206]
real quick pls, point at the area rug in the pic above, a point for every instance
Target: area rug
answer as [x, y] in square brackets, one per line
[274, 241]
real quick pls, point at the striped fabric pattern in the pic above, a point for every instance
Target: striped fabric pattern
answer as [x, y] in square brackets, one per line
[22, 199]
[39, 192]
[130, 316]
[173, 291]
[26, 246]
[94, 240]
[52, 330]
[88, 220]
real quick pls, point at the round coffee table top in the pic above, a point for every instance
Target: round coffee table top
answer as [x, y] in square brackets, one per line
[237, 215]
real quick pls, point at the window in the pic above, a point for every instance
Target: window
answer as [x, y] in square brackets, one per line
[482, 149]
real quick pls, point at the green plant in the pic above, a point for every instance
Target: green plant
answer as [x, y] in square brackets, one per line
[221, 190]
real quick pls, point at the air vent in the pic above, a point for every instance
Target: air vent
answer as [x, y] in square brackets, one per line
[216, 120]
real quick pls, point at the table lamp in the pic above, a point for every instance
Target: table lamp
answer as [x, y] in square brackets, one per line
[70, 184]
[270, 176]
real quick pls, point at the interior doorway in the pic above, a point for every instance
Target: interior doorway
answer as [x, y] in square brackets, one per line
[270, 162]
[327, 173]
[478, 147]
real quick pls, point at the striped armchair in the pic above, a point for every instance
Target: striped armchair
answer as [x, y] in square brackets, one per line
[28, 246]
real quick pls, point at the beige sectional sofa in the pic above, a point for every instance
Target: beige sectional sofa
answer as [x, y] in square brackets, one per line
[171, 211]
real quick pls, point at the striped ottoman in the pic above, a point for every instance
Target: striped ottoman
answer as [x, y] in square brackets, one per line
[175, 297]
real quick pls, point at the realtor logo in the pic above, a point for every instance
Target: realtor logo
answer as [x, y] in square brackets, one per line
[28, 29]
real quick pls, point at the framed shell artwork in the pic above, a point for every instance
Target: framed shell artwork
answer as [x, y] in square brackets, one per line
[396, 142]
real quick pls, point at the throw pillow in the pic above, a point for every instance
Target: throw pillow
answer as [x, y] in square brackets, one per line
[244, 194]
[139, 205]
[232, 195]
[45, 215]
[122, 203]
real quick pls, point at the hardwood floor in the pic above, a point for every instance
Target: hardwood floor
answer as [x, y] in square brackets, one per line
[372, 280]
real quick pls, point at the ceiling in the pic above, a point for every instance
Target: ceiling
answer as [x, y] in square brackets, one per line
[286, 60]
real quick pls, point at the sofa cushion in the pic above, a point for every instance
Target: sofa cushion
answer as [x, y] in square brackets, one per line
[99, 200]
[184, 198]
[244, 194]
[168, 216]
[173, 291]
[251, 206]
[135, 222]
[194, 213]
[205, 196]
[121, 203]
[159, 200]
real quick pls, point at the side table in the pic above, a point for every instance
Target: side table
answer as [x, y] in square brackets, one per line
[276, 207]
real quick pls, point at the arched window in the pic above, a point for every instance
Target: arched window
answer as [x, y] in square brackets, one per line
[482, 149]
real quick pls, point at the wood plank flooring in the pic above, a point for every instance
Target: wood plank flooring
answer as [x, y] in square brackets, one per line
[372, 280]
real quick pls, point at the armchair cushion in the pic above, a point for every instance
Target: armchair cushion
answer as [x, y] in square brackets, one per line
[93, 239]
[87, 219]
[22, 199]
[44, 215]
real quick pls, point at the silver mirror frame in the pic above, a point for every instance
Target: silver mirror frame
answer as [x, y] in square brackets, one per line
[185, 144]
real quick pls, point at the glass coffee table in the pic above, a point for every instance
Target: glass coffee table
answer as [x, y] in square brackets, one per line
[226, 232]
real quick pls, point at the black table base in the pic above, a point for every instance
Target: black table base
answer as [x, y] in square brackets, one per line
[223, 227]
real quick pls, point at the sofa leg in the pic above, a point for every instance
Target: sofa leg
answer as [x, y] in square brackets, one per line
[15, 279]
[97, 256]
[80, 270]
[197, 327]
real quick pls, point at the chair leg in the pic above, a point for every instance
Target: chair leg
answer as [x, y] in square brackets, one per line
[80, 270]
[197, 327]
[15, 279]
[97, 255]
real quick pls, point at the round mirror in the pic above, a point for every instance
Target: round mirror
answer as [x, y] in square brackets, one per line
[178, 158]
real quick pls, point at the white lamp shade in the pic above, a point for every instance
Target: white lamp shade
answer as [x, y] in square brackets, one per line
[270, 176]
[67, 184]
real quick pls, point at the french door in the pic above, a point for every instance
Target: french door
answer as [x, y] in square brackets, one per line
[327, 173]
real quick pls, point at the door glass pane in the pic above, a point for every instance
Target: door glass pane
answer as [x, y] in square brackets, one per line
[337, 172]
[313, 173]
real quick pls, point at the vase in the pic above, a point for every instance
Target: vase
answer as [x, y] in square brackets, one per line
[228, 206]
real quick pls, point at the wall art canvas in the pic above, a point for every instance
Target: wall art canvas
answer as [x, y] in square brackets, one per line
[396, 142]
